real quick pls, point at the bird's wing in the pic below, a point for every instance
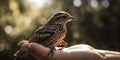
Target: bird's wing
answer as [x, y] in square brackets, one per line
[42, 34]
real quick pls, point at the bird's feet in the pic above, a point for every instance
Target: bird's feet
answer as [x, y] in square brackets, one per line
[52, 49]
[63, 43]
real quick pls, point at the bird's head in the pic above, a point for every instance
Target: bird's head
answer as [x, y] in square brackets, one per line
[61, 17]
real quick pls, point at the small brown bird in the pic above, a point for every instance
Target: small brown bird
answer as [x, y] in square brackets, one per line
[51, 34]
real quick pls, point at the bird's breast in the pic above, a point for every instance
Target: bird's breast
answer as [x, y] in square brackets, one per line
[60, 36]
[60, 33]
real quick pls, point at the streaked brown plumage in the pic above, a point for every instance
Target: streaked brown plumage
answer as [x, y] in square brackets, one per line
[52, 33]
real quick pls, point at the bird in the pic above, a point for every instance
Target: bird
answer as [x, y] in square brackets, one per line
[51, 34]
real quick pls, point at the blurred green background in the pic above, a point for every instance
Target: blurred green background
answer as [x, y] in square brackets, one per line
[98, 22]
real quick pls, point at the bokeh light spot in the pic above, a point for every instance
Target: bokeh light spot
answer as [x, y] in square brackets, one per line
[8, 29]
[105, 3]
[77, 3]
[94, 3]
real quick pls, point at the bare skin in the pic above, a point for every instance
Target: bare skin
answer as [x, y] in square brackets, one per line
[75, 52]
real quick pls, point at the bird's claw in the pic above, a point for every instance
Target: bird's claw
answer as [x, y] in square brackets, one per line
[63, 43]
[52, 48]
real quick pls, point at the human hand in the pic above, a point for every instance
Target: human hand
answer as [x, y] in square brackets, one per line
[34, 49]
[76, 52]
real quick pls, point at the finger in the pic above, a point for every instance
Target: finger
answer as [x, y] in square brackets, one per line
[24, 46]
[35, 49]
[22, 42]
[38, 49]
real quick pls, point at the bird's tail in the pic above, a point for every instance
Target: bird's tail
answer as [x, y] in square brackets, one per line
[18, 54]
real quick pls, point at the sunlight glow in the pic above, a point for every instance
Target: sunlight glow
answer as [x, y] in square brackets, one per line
[39, 3]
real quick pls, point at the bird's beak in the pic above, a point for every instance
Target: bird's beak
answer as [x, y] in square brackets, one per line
[71, 18]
